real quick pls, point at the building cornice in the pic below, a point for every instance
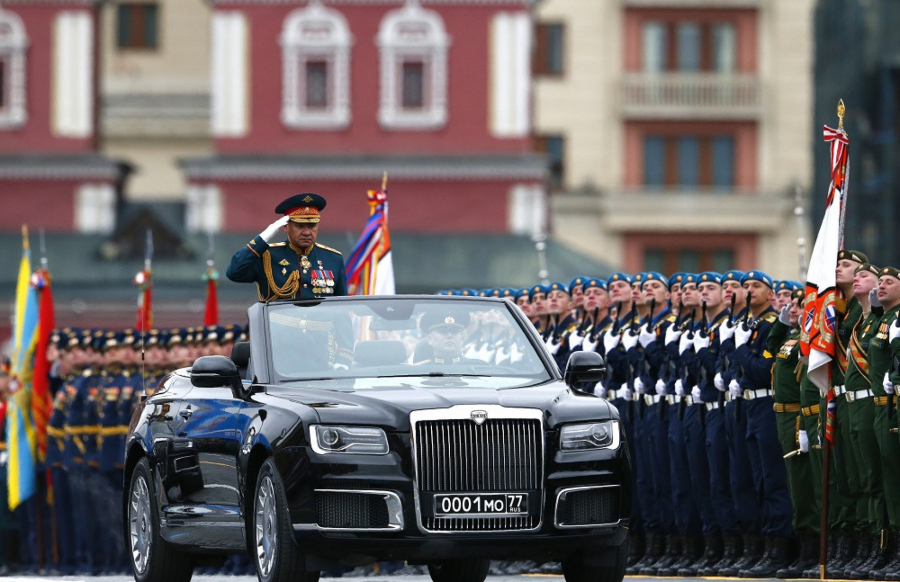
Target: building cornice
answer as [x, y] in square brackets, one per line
[66, 3]
[230, 3]
[61, 167]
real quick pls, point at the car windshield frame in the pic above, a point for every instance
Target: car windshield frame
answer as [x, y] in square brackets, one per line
[547, 371]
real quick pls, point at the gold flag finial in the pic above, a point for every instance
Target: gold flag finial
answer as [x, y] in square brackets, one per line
[384, 181]
[25, 237]
[840, 112]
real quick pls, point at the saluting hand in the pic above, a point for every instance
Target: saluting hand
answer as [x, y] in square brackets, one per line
[785, 317]
[272, 230]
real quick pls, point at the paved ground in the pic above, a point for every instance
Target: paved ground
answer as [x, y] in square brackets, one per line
[522, 578]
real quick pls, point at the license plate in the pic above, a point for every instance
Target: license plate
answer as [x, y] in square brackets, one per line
[492, 504]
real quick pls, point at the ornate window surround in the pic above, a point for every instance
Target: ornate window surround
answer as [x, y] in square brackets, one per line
[413, 33]
[315, 33]
[13, 44]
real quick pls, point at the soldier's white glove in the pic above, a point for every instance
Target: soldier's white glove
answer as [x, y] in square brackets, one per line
[553, 345]
[600, 390]
[679, 387]
[742, 335]
[639, 385]
[672, 334]
[626, 392]
[610, 341]
[719, 382]
[803, 441]
[575, 339]
[894, 331]
[502, 355]
[660, 387]
[888, 385]
[695, 394]
[701, 341]
[785, 315]
[873, 297]
[274, 228]
[646, 336]
[588, 344]
[687, 341]
[726, 330]
[735, 389]
[341, 367]
[630, 339]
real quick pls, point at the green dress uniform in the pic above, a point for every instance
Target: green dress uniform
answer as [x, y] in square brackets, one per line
[284, 271]
[888, 445]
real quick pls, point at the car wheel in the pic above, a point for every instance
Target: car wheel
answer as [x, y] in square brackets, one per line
[152, 558]
[278, 559]
[459, 570]
[576, 569]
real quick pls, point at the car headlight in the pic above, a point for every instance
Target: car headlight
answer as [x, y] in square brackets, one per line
[356, 440]
[589, 436]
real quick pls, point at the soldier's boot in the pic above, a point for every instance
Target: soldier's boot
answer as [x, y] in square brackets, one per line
[753, 550]
[813, 572]
[777, 556]
[691, 548]
[869, 548]
[846, 551]
[885, 550]
[712, 553]
[671, 554]
[636, 549]
[860, 556]
[808, 557]
[890, 570]
[731, 552]
[653, 551]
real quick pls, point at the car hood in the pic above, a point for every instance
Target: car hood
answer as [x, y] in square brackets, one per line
[389, 402]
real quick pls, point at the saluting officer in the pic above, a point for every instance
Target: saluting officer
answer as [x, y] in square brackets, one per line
[299, 268]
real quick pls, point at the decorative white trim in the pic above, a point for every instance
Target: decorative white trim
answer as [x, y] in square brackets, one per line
[413, 33]
[510, 46]
[13, 44]
[321, 34]
[73, 64]
[95, 208]
[230, 74]
[526, 3]
[204, 208]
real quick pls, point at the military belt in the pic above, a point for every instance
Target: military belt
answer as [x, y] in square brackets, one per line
[673, 398]
[610, 394]
[729, 397]
[751, 394]
[689, 400]
[651, 399]
[786, 407]
[838, 390]
[712, 406]
[881, 400]
[113, 430]
[854, 395]
[810, 410]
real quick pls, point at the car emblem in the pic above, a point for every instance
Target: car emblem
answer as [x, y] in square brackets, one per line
[479, 416]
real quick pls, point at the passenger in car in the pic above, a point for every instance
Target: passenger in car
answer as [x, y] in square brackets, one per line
[446, 333]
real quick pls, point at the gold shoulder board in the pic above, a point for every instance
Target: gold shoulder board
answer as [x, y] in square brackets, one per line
[321, 246]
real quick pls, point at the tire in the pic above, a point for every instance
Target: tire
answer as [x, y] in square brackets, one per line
[152, 558]
[576, 569]
[277, 557]
[459, 570]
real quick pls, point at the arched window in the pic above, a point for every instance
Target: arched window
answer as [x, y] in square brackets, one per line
[413, 45]
[315, 44]
[13, 43]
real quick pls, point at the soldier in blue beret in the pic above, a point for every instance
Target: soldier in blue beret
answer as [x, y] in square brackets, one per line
[783, 291]
[299, 268]
[537, 295]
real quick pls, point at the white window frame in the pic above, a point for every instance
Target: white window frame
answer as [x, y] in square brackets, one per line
[315, 33]
[413, 33]
[12, 50]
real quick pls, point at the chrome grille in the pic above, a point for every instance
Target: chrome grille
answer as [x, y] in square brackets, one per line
[480, 523]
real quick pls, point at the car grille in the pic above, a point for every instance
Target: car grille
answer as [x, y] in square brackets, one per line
[351, 510]
[460, 456]
[588, 507]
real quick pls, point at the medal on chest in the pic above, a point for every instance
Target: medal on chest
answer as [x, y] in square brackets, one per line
[304, 262]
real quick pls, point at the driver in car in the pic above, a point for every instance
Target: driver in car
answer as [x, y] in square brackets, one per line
[446, 333]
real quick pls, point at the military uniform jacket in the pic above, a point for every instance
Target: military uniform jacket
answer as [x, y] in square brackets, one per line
[848, 319]
[784, 342]
[649, 361]
[618, 369]
[283, 271]
[880, 351]
[857, 377]
[753, 360]
[708, 361]
[561, 333]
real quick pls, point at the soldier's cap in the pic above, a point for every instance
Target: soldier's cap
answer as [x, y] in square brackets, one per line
[757, 276]
[797, 294]
[654, 276]
[535, 289]
[690, 278]
[852, 255]
[710, 277]
[228, 333]
[558, 286]
[638, 279]
[889, 272]
[109, 339]
[444, 321]
[521, 293]
[152, 337]
[454, 292]
[5, 366]
[508, 292]
[619, 277]
[303, 208]
[788, 284]
[733, 275]
[588, 283]
[177, 336]
[676, 279]
[210, 333]
[469, 293]
[867, 267]
[495, 292]
[577, 282]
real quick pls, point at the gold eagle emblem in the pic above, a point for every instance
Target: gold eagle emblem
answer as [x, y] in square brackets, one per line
[284, 263]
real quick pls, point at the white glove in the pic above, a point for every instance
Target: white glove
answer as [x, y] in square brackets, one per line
[589, 345]
[894, 331]
[646, 336]
[672, 334]
[873, 297]
[679, 387]
[630, 339]
[735, 389]
[626, 392]
[660, 387]
[575, 339]
[340, 367]
[274, 228]
[726, 330]
[553, 345]
[638, 385]
[785, 317]
[695, 394]
[719, 382]
[888, 385]
[701, 341]
[742, 335]
[600, 390]
[687, 341]
[610, 341]
[804, 441]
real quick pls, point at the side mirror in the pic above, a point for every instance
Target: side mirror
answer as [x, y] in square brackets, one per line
[584, 367]
[216, 372]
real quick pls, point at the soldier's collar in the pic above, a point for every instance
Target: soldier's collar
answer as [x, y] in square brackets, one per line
[443, 361]
[300, 251]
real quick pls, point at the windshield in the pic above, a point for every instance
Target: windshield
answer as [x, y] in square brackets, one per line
[412, 337]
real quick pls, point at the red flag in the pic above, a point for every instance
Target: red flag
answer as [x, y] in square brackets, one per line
[144, 281]
[41, 401]
[211, 317]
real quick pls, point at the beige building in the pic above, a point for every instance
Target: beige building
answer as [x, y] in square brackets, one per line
[680, 128]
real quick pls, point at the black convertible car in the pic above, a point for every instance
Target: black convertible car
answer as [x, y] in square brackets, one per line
[436, 430]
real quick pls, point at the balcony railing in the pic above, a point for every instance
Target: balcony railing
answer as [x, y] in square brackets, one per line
[691, 96]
